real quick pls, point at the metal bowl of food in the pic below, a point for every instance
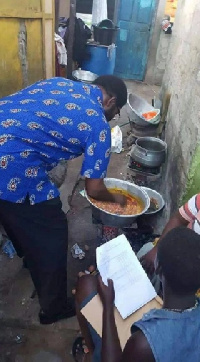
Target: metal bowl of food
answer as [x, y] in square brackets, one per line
[84, 76]
[139, 110]
[156, 201]
[119, 220]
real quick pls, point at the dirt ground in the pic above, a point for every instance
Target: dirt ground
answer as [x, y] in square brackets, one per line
[22, 338]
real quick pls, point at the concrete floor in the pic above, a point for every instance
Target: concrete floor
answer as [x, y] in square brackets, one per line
[18, 312]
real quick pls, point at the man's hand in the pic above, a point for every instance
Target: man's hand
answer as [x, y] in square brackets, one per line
[148, 260]
[120, 199]
[107, 293]
[95, 188]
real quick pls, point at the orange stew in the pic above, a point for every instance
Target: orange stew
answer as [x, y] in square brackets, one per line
[149, 115]
[134, 204]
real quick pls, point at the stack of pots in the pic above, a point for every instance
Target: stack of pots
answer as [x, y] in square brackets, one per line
[148, 151]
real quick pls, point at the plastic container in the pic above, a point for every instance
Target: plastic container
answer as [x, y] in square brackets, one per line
[101, 59]
[9, 249]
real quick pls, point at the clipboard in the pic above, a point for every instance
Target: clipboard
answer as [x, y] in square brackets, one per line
[93, 312]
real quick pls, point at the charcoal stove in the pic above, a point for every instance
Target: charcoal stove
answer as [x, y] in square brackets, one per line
[140, 131]
[144, 176]
[138, 234]
[104, 232]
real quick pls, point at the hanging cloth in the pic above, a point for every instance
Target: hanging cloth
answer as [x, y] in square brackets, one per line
[99, 11]
[61, 50]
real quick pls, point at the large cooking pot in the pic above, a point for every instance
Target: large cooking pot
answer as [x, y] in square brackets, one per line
[115, 220]
[149, 151]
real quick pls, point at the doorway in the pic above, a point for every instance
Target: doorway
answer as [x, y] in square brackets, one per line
[135, 22]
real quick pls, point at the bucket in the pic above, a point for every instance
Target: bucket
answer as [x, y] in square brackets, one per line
[105, 36]
[101, 59]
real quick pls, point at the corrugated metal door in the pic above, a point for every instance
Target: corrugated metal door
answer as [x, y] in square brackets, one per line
[26, 43]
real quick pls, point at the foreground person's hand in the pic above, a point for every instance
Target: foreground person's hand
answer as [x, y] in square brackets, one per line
[148, 260]
[120, 199]
[107, 293]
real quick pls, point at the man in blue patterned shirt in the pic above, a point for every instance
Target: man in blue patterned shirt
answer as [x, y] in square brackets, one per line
[52, 120]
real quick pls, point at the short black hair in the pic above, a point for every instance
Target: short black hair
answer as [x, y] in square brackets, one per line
[179, 257]
[114, 87]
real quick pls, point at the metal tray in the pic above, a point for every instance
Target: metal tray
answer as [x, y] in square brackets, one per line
[84, 76]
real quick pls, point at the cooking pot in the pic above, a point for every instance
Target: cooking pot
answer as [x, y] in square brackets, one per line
[106, 218]
[158, 197]
[149, 151]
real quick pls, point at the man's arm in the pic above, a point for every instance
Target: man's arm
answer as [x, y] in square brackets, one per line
[148, 259]
[137, 349]
[175, 221]
[96, 189]
[111, 349]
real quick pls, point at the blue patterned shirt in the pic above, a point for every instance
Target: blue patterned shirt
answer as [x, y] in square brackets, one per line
[52, 120]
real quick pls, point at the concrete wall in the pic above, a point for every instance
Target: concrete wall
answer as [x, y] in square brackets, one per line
[163, 45]
[161, 57]
[182, 80]
[149, 78]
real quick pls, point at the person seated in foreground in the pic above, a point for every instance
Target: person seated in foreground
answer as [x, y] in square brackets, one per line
[170, 334]
[188, 215]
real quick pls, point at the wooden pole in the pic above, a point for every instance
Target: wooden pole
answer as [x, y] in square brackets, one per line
[71, 38]
[57, 8]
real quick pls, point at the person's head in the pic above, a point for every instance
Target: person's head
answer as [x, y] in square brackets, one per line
[114, 94]
[178, 261]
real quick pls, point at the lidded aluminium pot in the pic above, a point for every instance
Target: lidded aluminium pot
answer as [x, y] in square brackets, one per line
[149, 151]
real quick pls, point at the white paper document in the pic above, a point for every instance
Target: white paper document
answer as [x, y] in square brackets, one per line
[117, 261]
